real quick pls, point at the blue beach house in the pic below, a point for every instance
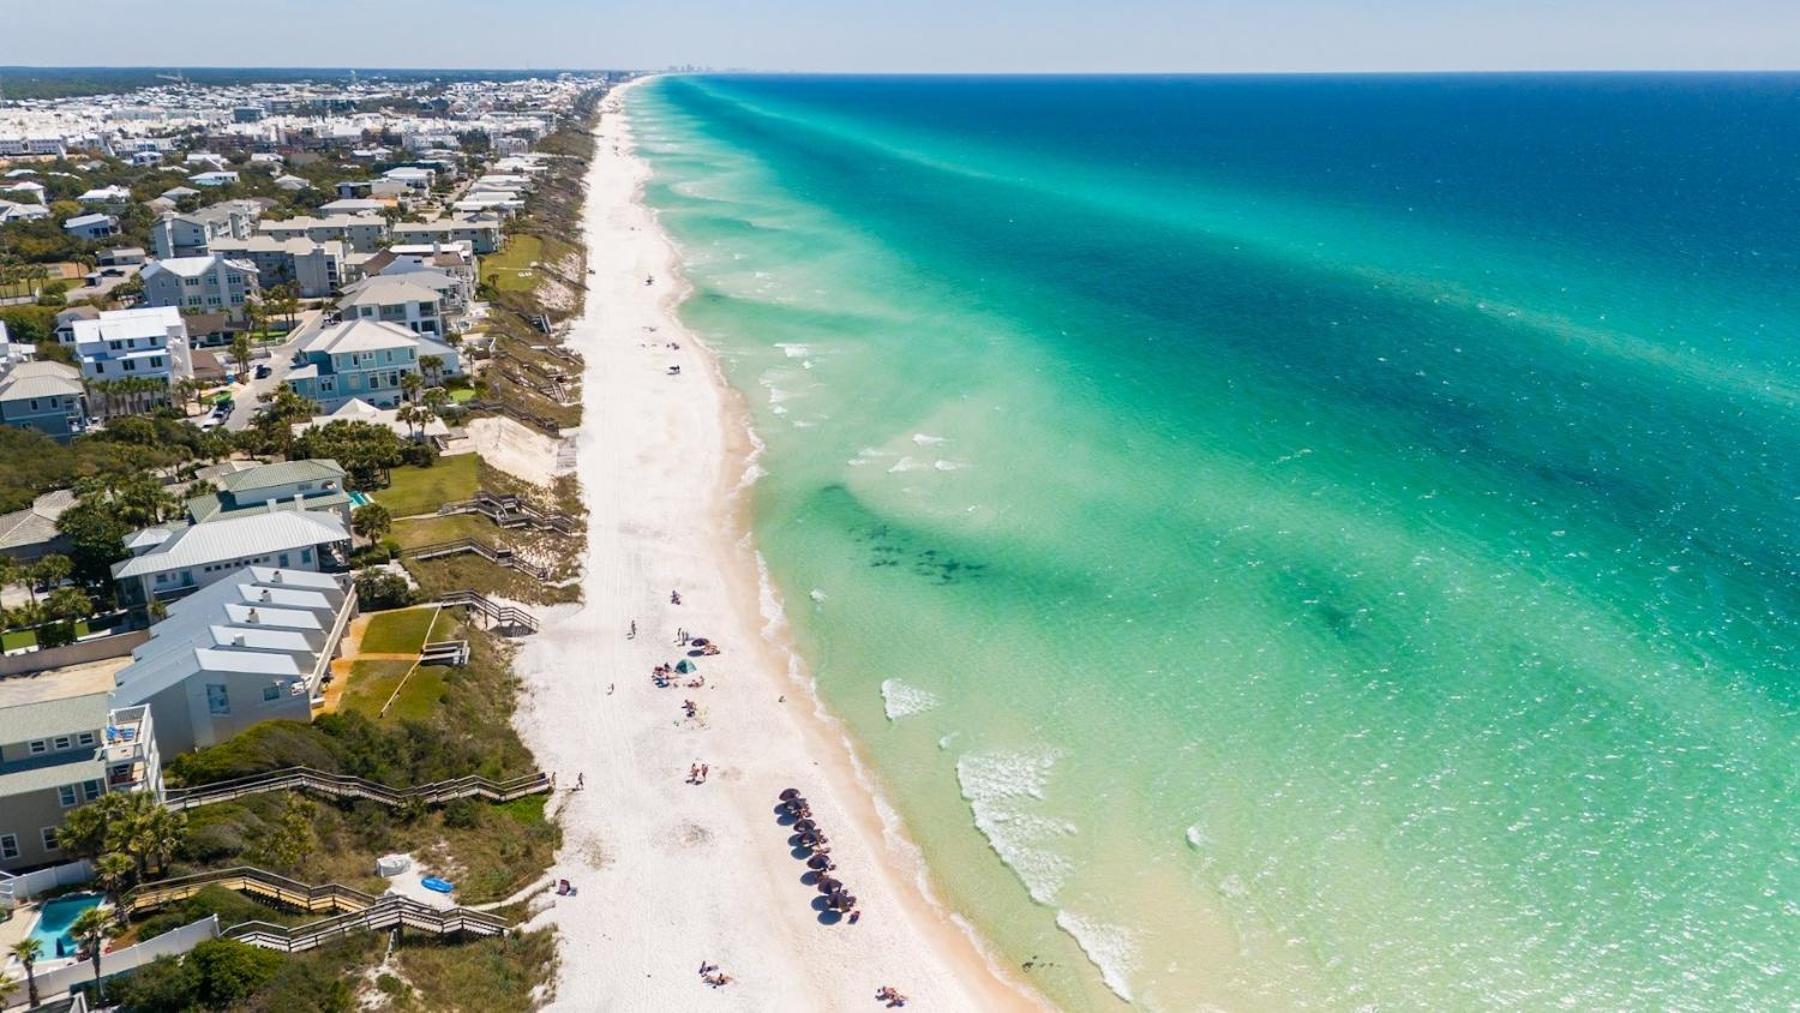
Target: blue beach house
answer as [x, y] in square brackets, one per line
[364, 360]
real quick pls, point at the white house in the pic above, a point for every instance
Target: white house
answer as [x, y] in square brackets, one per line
[217, 177]
[147, 342]
[168, 562]
[111, 196]
[12, 211]
[252, 646]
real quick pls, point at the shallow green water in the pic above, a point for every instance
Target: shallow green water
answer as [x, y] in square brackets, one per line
[1288, 542]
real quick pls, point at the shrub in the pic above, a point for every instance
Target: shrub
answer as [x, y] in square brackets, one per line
[379, 589]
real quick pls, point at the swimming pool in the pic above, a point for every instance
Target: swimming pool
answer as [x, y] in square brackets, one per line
[55, 917]
[359, 499]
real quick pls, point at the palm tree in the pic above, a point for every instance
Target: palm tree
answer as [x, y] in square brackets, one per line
[27, 951]
[410, 385]
[240, 342]
[156, 836]
[113, 871]
[92, 928]
[433, 367]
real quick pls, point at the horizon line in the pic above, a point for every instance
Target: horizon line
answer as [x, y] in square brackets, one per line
[1337, 72]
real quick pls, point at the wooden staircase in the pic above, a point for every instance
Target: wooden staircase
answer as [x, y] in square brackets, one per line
[347, 786]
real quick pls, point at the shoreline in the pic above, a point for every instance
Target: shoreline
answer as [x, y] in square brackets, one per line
[671, 874]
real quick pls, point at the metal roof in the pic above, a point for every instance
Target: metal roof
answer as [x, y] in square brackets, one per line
[237, 537]
[282, 473]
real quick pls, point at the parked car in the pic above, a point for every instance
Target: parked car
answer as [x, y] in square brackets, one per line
[263, 371]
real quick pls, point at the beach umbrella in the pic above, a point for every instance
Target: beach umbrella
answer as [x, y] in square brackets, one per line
[827, 884]
[819, 862]
[805, 825]
[698, 641]
[684, 666]
[789, 794]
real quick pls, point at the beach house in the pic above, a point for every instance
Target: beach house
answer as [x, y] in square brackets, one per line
[46, 396]
[285, 485]
[64, 743]
[192, 234]
[251, 647]
[394, 299]
[359, 232]
[174, 560]
[151, 342]
[210, 283]
[365, 359]
[92, 227]
[315, 269]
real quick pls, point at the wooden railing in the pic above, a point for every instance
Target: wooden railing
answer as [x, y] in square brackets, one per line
[510, 512]
[504, 616]
[347, 786]
[352, 910]
[544, 422]
[498, 555]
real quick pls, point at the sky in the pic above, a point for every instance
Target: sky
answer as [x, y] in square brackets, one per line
[940, 36]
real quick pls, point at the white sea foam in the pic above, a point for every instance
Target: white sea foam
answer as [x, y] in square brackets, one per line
[793, 350]
[1197, 838]
[816, 595]
[926, 440]
[1110, 947]
[1001, 788]
[906, 464]
[901, 700]
[948, 465]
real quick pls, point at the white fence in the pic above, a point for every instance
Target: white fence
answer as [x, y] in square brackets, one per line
[19, 888]
[52, 984]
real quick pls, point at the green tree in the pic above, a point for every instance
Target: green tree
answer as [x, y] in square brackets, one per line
[433, 368]
[112, 871]
[96, 535]
[27, 951]
[240, 342]
[52, 570]
[156, 835]
[410, 385]
[372, 521]
[230, 972]
[92, 928]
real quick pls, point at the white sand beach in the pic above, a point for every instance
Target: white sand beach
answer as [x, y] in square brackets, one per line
[671, 875]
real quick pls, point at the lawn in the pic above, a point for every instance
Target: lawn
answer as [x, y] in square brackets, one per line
[415, 490]
[507, 269]
[13, 640]
[398, 632]
[462, 394]
[371, 683]
[420, 695]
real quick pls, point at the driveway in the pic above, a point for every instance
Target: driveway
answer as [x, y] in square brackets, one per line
[247, 398]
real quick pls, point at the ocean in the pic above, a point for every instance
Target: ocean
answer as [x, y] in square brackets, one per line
[1289, 542]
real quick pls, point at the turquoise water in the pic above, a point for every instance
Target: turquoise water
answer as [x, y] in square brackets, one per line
[1289, 542]
[55, 917]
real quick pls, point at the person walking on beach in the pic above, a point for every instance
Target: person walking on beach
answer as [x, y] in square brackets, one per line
[580, 781]
[633, 634]
[674, 597]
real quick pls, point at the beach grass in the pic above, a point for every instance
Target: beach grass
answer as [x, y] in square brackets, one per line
[485, 974]
[413, 490]
[426, 530]
[399, 632]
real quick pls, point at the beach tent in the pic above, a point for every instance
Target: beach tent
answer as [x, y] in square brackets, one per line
[684, 666]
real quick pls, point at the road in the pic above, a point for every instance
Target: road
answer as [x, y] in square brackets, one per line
[247, 398]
